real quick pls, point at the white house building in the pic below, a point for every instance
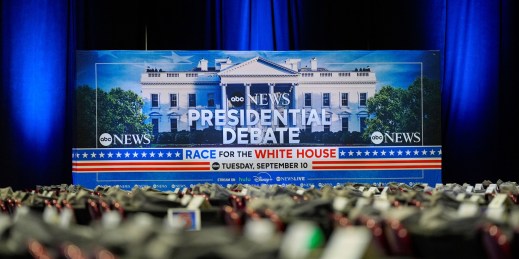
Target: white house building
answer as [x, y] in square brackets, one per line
[258, 84]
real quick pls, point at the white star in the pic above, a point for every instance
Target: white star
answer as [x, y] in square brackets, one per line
[383, 152]
[110, 155]
[391, 152]
[400, 152]
[350, 153]
[440, 152]
[118, 154]
[93, 155]
[73, 155]
[366, 153]
[135, 154]
[175, 58]
[177, 154]
[359, 153]
[375, 153]
[415, 152]
[161, 154]
[424, 152]
[126, 154]
[77, 155]
[342, 153]
[169, 154]
[85, 155]
[102, 155]
[143, 154]
[432, 152]
[152, 154]
[407, 153]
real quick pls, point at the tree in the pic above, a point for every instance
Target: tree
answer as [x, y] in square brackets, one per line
[387, 111]
[431, 92]
[400, 110]
[118, 112]
[85, 132]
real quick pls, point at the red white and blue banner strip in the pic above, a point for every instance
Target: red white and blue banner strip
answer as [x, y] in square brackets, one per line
[166, 168]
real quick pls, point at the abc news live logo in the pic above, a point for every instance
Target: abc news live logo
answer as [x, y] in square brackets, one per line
[395, 137]
[124, 139]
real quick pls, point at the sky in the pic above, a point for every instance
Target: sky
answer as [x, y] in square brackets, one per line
[123, 68]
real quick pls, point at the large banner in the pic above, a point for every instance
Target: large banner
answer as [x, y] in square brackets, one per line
[172, 119]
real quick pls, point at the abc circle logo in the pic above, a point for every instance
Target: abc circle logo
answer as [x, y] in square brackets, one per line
[377, 137]
[237, 99]
[105, 139]
[215, 166]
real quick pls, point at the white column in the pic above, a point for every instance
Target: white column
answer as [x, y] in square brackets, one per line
[294, 93]
[247, 101]
[271, 103]
[223, 88]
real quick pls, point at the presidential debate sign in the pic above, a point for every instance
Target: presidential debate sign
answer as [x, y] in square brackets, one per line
[172, 119]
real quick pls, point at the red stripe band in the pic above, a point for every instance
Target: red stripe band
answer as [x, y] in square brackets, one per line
[146, 169]
[378, 161]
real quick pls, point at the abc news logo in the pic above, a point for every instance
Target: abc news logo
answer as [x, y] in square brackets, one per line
[395, 137]
[124, 139]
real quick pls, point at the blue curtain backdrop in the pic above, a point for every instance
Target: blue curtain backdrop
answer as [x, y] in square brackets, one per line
[256, 25]
[39, 39]
[37, 67]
